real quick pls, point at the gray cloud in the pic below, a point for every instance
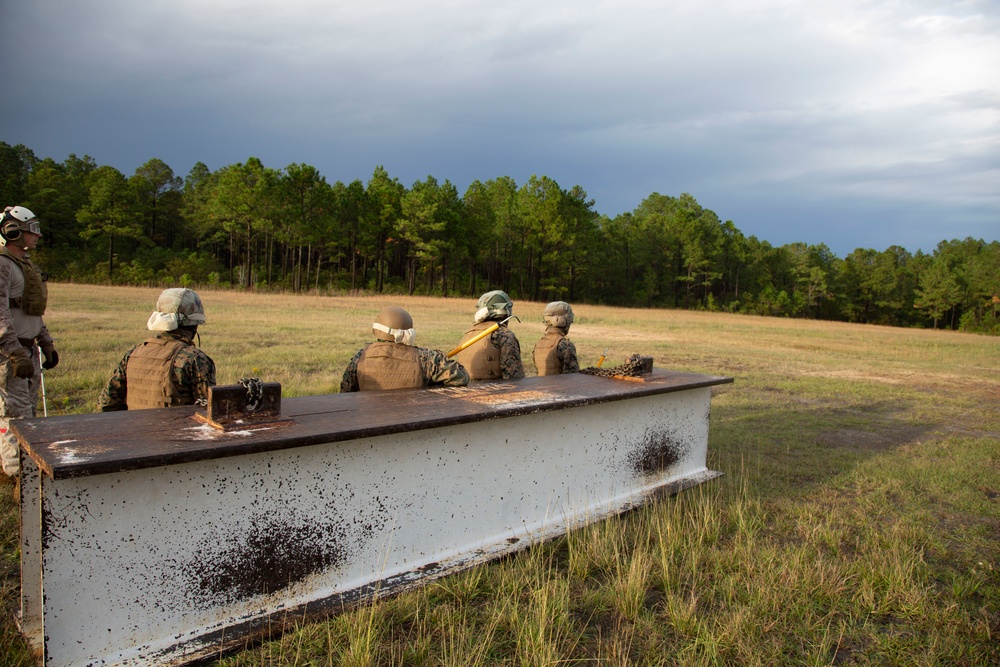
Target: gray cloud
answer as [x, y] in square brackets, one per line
[856, 124]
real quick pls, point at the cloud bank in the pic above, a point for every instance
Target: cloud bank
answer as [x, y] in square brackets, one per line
[854, 124]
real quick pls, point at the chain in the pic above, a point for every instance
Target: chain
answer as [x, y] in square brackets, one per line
[255, 392]
[633, 367]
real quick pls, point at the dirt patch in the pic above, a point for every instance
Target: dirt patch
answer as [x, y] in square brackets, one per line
[967, 432]
[978, 383]
[880, 440]
[856, 376]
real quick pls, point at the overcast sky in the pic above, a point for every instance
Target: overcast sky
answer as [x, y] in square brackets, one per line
[849, 123]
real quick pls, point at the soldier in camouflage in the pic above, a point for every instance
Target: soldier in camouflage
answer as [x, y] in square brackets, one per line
[23, 299]
[554, 353]
[394, 362]
[167, 369]
[497, 356]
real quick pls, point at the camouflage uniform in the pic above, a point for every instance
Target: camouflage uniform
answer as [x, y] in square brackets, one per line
[18, 396]
[565, 352]
[193, 373]
[511, 367]
[494, 357]
[437, 370]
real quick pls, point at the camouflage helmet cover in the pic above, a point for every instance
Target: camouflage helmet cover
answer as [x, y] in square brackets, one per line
[395, 325]
[495, 305]
[558, 314]
[176, 307]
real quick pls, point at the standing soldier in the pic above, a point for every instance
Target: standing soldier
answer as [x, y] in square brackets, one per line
[394, 362]
[23, 297]
[554, 353]
[167, 369]
[497, 356]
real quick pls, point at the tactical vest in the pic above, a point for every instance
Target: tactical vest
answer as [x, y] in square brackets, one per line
[481, 359]
[546, 359]
[149, 374]
[386, 365]
[36, 292]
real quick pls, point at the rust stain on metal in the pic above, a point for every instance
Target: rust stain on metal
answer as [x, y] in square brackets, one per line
[509, 398]
[247, 424]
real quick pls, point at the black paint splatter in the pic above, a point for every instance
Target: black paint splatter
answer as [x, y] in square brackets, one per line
[657, 452]
[269, 558]
[276, 552]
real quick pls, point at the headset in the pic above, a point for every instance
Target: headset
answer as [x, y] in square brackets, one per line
[10, 226]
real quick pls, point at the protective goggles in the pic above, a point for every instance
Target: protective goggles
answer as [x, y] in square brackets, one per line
[405, 336]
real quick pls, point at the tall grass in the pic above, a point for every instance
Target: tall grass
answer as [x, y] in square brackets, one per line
[857, 522]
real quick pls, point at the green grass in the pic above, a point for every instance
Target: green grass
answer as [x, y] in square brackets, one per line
[857, 522]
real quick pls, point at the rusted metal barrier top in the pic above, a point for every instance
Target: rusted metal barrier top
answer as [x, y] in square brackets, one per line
[93, 444]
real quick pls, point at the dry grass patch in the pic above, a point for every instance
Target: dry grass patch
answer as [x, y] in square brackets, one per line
[856, 522]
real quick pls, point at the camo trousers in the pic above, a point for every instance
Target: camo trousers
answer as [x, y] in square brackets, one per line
[18, 398]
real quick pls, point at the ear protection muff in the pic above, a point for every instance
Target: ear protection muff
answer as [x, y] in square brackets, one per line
[10, 227]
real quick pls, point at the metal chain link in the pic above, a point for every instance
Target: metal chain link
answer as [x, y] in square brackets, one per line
[255, 392]
[633, 367]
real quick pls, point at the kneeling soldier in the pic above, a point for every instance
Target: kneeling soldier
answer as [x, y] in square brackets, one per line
[554, 353]
[394, 362]
[168, 369]
[498, 355]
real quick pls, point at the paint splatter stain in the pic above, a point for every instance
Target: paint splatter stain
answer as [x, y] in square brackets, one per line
[270, 557]
[657, 452]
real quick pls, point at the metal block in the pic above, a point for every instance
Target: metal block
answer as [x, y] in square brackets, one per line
[229, 407]
[188, 540]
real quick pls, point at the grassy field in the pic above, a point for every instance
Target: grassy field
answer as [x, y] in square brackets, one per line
[858, 521]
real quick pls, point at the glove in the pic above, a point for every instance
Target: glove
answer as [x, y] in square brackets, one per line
[20, 359]
[51, 357]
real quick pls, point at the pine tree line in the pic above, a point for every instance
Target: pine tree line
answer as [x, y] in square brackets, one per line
[254, 227]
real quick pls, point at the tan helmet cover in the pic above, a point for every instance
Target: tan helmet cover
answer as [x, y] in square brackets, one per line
[395, 325]
[176, 307]
[558, 314]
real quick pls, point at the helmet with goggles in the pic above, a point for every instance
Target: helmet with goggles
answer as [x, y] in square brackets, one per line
[17, 220]
[176, 307]
[495, 305]
[558, 314]
[394, 325]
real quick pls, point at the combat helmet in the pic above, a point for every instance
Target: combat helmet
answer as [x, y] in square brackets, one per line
[15, 221]
[176, 307]
[495, 305]
[394, 325]
[558, 314]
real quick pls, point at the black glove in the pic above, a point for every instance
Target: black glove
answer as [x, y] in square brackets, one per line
[51, 357]
[23, 365]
